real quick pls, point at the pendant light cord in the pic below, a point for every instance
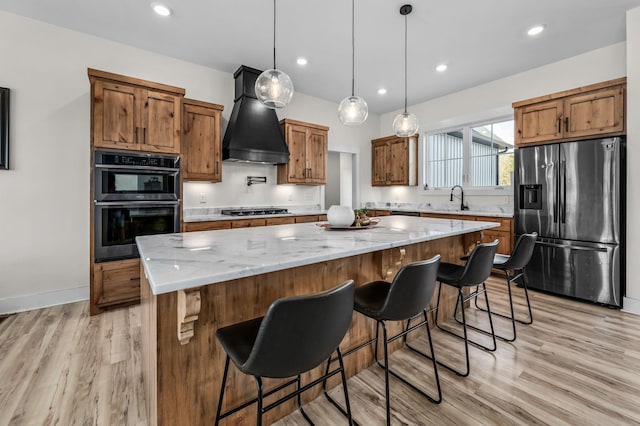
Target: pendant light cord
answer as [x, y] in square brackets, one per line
[274, 34]
[353, 48]
[405, 63]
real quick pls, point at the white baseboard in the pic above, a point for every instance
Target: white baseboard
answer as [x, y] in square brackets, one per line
[42, 300]
[631, 306]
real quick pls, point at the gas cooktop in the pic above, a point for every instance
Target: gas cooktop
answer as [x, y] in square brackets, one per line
[254, 212]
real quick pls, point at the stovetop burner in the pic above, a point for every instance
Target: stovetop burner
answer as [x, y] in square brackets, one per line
[254, 212]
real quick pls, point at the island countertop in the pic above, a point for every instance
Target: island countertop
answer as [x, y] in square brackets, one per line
[181, 261]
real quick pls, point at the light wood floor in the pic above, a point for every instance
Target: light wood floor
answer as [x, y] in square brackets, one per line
[576, 364]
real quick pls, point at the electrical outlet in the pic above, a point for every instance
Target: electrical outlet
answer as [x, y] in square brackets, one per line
[203, 198]
[505, 200]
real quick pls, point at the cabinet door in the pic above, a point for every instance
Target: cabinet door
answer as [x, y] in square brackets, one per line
[594, 113]
[399, 162]
[201, 147]
[306, 219]
[280, 221]
[116, 123]
[297, 142]
[539, 122]
[160, 114]
[248, 223]
[504, 244]
[379, 162]
[116, 282]
[317, 156]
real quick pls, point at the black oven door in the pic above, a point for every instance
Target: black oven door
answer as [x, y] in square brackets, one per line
[116, 226]
[119, 183]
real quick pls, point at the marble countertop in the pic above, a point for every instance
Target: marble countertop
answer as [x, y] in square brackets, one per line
[480, 210]
[181, 261]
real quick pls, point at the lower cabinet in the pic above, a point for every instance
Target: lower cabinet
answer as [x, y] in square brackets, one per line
[503, 233]
[115, 283]
[211, 225]
[248, 223]
[280, 220]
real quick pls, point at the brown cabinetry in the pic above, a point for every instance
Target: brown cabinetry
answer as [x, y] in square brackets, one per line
[394, 161]
[133, 114]
[115, 283]
[211, 225]
[503, 233]
[307, 153]
[201, 142]
[594, 110]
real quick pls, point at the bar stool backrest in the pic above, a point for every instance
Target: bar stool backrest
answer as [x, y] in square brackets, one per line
[479, 265]
[411, 290]
[298, 333]
[521, 254]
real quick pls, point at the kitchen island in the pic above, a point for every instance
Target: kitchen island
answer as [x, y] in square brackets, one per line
[194, 283]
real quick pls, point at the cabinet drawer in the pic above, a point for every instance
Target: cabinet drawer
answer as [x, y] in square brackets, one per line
[306, 219]
[374, 213]
[280, 220]
[117, 282]
[206, 226]
[248, 223]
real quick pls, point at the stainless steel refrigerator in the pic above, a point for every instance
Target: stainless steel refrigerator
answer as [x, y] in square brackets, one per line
[572, 195]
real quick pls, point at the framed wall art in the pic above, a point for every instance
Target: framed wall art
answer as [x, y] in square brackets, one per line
[4, 128]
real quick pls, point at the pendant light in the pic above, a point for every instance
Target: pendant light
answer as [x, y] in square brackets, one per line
[405, 124]
[353, 110]
[273, 87]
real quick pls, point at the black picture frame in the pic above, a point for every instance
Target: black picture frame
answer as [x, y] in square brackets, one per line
[4, 128]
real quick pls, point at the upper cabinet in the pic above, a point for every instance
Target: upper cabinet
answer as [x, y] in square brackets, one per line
[394, 161]
[308, 145]
[594, 110]
[133, 114]
[201, 141]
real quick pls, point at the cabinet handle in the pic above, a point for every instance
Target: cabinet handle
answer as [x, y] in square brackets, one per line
[215, 170]
[566, 124]
[559, 124]
[136, 136]
[144, 135]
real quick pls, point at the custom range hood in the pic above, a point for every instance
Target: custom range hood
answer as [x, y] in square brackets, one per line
[253, 133]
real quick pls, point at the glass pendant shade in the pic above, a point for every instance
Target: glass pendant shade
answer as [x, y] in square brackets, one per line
[353, 111]
[405, 124]
[274, 89]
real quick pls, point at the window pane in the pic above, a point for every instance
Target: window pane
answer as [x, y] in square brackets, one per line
[445, 159]
[492, 154]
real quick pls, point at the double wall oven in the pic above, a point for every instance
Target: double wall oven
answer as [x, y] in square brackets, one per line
[135, 194]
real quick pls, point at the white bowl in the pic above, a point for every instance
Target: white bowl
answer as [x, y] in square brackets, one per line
[340, 216]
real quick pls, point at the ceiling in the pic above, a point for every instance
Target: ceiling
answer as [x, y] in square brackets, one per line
[480, 41]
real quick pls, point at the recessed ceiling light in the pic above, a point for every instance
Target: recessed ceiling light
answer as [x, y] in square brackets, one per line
[535, 30]
[302, 61]
[382, 91]
[161, 9]
[441, 68]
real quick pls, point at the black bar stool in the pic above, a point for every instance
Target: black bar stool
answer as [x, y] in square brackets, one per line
[520, 257]
[473, 274]
[405, 298]
[296, 335]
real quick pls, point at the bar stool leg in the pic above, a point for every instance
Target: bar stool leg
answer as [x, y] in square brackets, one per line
[344, 387]
[224, 382]
[259, 407]
[464, 331]
[299, 399]
[526, 295]
[386, 371]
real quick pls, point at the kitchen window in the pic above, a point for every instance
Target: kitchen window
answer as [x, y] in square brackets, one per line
[474, 156]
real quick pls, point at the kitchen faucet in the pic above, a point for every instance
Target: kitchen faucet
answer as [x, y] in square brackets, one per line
[462, 206]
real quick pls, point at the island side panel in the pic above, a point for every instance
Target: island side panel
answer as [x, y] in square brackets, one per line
[189, 376]
[148, 311]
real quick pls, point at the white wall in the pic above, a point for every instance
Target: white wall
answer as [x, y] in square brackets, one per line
[632, 301]
[44, 210]
[493, 100]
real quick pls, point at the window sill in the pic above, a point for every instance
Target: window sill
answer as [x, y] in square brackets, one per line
[498, 191]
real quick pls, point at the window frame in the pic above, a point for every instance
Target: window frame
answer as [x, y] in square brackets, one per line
[466, 160]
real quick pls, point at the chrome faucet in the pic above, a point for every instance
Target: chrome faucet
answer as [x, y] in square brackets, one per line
[462, 206]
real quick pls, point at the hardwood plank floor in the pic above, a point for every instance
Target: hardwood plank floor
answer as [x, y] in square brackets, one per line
[577, 363]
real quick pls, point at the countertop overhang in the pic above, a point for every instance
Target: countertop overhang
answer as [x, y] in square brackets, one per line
[181, 261]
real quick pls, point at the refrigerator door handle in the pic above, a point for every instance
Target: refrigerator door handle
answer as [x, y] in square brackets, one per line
[556, 206]
[563, 194]
[572, 247]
